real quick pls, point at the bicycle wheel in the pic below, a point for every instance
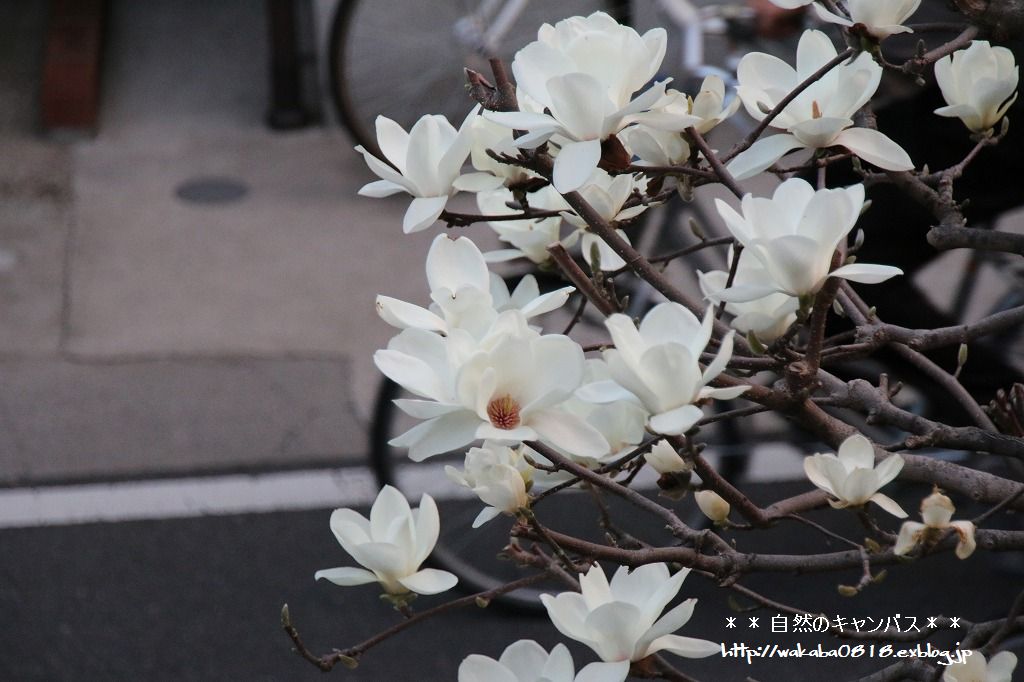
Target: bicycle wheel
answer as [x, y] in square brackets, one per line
[404, 60]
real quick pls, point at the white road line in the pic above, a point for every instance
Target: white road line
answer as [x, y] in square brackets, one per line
[256, 493]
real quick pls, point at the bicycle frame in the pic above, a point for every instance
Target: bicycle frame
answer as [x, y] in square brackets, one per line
[498, 16]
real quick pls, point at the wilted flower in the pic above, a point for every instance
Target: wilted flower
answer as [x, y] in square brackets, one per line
[391, 544]
[793, 235]
[978, 84]
[584, 71]
[820, 116]
[498, 475]
[852, 478]
[526, 661]
[976, 669]
[658, 365]
[620, 621]
[936, 510]
[712, 504]
[428, 160]
[767, 317]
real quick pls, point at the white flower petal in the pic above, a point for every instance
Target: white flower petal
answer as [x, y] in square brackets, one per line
[866, 273]
[429, 581]
[569, 432]
[888, 504]
[761, 155]
[477, 668]
[346, 576]
[875, 148]
[574, 164]
[422, 213]
[687, 647]
[676, 422]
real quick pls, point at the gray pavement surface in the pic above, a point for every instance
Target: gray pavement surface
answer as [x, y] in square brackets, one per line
[199, 600]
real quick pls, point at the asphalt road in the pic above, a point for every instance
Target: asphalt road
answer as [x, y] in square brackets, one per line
[199, 599]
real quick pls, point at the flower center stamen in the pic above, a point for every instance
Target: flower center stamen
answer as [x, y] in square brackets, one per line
[503, 412]
[815, 109]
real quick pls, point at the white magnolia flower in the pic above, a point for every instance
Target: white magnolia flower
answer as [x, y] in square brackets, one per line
[621, 423]
[793, 235]
[489, 136]
[426, 364]
[622, 621]
[706, 110]
[607, 194]
[657, 364]
[508, 390]
[527, 661]
[498, 475]
[665, 146]
[428, 160]
[936, 510]
[712, 504]
[465, 294]
[664, 459]
[880, 18]
[654, 147]
[976, 669]
[391, 544]
[529, 238]
[820, 116]
[768, 317]
[979, 84]
[584, 71]
[852, 477]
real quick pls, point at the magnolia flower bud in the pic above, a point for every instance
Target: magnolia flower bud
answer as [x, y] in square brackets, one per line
[665, 460]
[712, 504]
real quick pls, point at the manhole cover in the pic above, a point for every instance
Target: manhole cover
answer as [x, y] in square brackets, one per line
[211, 190]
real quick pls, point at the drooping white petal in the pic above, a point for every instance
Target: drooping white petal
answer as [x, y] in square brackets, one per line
[888, 504]
[876, 148]
[429, 581]
[687, 647]
[346, 576]
[422, 213]
[434, 436]
[761, 155]
[404, 315]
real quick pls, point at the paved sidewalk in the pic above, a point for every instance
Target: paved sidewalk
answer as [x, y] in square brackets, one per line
[147, 334]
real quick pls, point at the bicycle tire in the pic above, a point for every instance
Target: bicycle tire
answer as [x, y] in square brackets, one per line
[367, 79]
